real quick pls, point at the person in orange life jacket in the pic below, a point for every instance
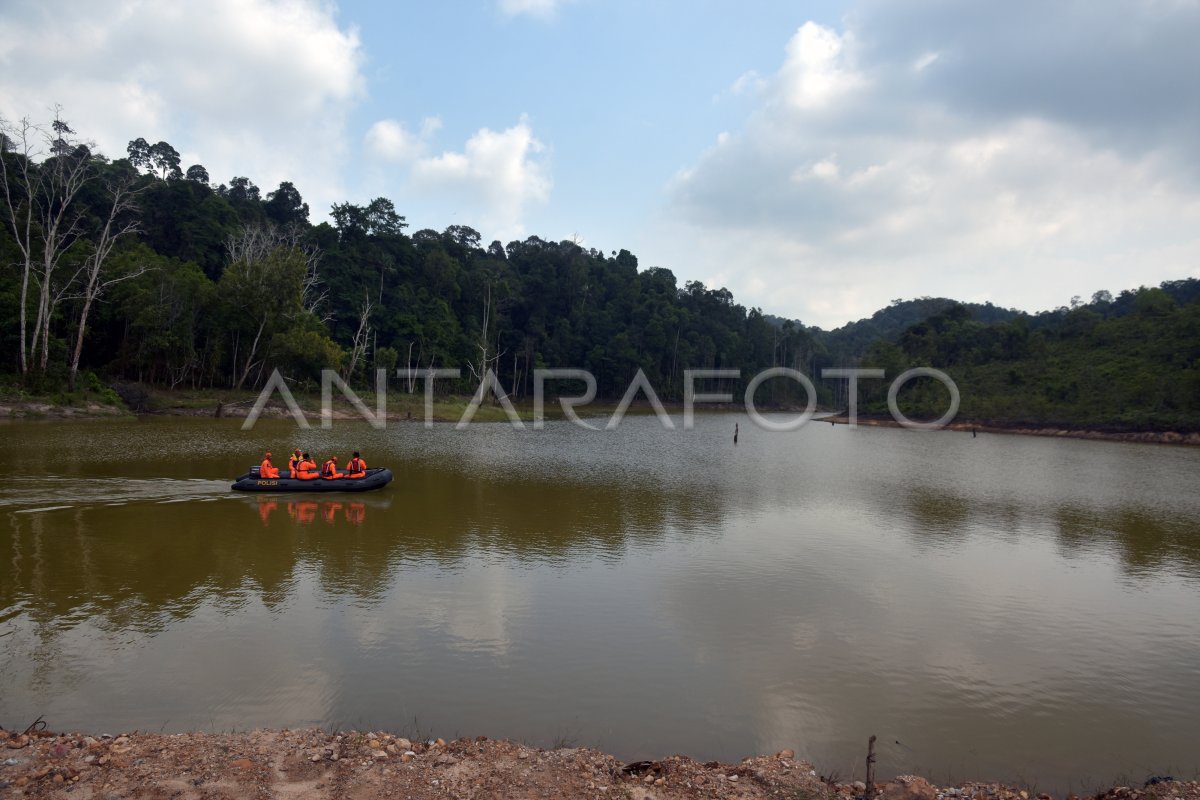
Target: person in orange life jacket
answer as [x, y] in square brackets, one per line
[329, 470]
[294, 462]
[356, 467]
[266, 469]
[307, 469]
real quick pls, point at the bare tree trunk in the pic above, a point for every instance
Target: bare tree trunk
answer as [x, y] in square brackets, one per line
[45, 357]
[250, 356]
[20, 219]
[361, 336]
[83, 315]
[674, 358]
[411, 373]
[122, 196]
[480, 370]
[37, 330]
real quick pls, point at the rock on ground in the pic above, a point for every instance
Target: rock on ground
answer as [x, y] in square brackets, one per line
[364, 765]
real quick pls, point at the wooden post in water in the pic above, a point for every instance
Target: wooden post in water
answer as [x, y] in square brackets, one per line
[870, 791]
[735, 432]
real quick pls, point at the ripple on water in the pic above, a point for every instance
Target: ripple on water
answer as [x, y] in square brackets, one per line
[986, 602]
[55, 493]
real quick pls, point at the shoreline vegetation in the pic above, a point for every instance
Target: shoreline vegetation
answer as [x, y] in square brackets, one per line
[351, 764]
[157, 276]
[404, 407]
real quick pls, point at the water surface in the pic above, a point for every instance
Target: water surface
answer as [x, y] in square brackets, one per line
[995, 607]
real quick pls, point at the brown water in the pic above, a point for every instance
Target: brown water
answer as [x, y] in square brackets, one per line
[1000, 607]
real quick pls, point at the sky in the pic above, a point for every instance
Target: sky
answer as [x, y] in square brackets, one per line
[819, 159]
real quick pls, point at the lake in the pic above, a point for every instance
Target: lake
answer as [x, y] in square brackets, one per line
[1000, 607]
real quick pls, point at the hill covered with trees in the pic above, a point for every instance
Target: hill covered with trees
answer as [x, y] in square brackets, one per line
[139, 269]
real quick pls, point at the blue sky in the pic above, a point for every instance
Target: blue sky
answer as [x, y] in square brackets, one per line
[622, 95]
[818, 159]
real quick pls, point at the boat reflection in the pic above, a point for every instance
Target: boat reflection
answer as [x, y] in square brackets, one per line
[306, 512]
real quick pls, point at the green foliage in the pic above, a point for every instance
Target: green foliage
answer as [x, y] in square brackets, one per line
[301, 352]
[206, 314]
[386, 358]
[1132, 363]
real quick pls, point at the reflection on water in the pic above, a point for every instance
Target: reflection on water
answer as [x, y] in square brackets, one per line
[1146, 540]
[305, 512]
[1002, 606]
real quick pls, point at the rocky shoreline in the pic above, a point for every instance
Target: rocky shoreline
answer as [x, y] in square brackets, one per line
[363, 765]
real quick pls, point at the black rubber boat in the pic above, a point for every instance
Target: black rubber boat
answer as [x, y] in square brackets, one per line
[374, 479]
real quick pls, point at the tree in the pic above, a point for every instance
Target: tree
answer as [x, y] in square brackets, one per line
[382, 219]
[242, 190]
[487, 357]
[264, 287]
[122, 191]
[165, 312]
[45, 220]
[285, 206]
[139, 153]
[197, 173]
[377, 218]
[165, 160]
[361, 336]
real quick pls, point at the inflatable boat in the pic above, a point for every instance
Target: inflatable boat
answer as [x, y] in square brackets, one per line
[251, 482]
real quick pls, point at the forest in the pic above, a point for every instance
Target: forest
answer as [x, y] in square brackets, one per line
[140, 270]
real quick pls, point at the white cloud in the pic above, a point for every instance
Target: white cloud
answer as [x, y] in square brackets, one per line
[860, 178]
[248, 87]
[536, 8]
[818, 68]
[748, 83]
[925, 61]
[497, 174]
[390, 140]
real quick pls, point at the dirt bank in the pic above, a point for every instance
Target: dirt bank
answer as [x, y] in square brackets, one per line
[357, 765]
[32, 409]
[967, 426]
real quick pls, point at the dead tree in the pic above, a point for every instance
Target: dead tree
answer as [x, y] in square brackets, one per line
[361, 336]
[117, 225]
[488, 358]
[40, 211]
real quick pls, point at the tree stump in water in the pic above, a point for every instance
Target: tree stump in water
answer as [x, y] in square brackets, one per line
[870, 791]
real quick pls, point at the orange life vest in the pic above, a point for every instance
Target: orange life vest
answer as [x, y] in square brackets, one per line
[265, 470]
[329, 470]
[307, 470]
[357, 468]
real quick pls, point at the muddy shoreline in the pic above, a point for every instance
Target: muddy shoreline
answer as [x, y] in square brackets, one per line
[363, 765]
[449, 411]
[1023, 429]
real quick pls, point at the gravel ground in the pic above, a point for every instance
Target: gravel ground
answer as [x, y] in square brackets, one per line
[358, 765]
